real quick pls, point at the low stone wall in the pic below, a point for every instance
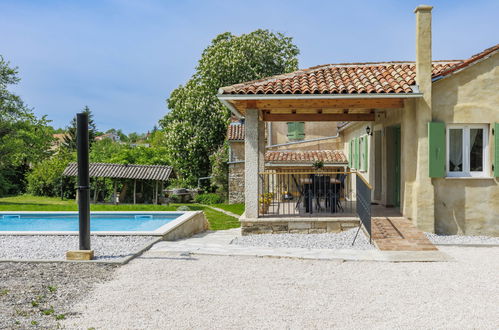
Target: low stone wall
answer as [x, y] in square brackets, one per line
[196, 224]
[295, 226]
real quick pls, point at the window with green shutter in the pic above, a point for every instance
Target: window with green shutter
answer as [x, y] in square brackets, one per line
[436, 137]
[296, 131]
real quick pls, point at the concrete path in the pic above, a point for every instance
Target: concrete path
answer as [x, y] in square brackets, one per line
[218, 243]
[222, 211]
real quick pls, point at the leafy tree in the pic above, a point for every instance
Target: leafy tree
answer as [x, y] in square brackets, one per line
[196, 125]
[220, 170]
[24, 138]
[69, 142]
[46, 177]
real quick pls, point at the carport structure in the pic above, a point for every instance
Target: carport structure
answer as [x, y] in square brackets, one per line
[156, 173]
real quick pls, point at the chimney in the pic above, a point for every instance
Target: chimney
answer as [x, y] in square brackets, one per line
[423, 49]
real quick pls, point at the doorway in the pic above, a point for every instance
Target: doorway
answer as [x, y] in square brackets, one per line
[393, 165]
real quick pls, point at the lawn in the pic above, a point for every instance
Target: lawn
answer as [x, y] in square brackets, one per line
[234, 208]
[217, 220]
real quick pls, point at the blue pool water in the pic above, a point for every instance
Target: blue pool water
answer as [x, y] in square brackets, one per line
[98, 222]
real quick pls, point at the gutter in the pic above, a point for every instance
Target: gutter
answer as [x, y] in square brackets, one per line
[226, 97]
[234, 111]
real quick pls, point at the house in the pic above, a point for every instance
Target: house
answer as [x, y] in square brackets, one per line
[420, 138]
[111, 135]
[58, 140]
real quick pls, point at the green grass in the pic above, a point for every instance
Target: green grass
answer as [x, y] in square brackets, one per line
[217, 220]
[234, 208]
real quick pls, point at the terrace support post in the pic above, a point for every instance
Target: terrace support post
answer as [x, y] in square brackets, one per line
[84, 252]
[134, 191]
[115, 194]
[156, 194]
[253, 149]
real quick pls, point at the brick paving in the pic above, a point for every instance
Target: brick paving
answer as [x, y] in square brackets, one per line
[399, 234]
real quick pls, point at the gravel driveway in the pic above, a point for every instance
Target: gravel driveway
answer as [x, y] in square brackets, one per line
[216, 292]
[55, 247]
[36, 295]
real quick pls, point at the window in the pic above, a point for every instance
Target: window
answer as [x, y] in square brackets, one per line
[296, 131]
[467, 147]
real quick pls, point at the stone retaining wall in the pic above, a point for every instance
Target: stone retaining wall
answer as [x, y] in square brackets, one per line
[296, 227]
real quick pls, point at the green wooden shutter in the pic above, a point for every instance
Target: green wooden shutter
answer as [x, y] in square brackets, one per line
[291, 131]
[436, 137]
[300, 130]
[296, 130]
[356, 155]
[350, 154]
[496, 151]
[366, 152]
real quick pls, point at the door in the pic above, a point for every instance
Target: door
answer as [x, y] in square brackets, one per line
[378, 163]
[392, 139]
[396, 181]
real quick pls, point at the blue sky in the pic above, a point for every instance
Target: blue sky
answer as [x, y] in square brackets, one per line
[123, 58]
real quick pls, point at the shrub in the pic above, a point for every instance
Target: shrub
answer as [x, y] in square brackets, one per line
[45, 178]
[183, 208]
[208, 199]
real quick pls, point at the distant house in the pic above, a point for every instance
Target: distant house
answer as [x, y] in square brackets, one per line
[112, 135]
[58, 141]
[421, 140]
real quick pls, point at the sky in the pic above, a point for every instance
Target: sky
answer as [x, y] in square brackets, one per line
[123, 58]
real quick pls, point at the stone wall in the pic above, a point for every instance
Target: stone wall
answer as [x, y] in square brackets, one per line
[281, 226]
[236, 172]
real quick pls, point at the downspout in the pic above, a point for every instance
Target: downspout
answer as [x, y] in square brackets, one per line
[304, 141]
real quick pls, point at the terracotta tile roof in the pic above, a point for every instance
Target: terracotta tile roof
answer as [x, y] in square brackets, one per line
[347, 78]
[309, 156]
[472, 60]
[235, 132]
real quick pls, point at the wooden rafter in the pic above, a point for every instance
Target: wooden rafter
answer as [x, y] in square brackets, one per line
[268, 116]
[378, 103]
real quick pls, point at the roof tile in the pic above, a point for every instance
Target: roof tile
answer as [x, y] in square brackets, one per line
[307, 156]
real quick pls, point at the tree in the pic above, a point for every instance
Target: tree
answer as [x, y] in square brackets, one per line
[196, 124]
[24, 138]
[69, 142]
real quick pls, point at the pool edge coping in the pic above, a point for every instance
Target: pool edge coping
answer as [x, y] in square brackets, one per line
[161, 231]
[172, 225]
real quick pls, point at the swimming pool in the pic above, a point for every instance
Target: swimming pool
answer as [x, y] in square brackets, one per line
[108, 223]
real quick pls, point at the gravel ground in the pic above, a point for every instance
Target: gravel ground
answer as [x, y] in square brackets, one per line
[459, 239]
[28, 291]
[55, 247]
[220, 292]
[341, 240]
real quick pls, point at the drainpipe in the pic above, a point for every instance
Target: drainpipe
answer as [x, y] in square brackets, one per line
[304, 141]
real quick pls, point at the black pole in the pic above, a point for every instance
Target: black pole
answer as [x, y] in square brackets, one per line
[83, 179]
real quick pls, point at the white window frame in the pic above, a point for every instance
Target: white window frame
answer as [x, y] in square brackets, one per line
[466, 151]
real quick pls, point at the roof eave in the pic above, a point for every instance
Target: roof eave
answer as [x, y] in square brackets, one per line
[224, 98]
